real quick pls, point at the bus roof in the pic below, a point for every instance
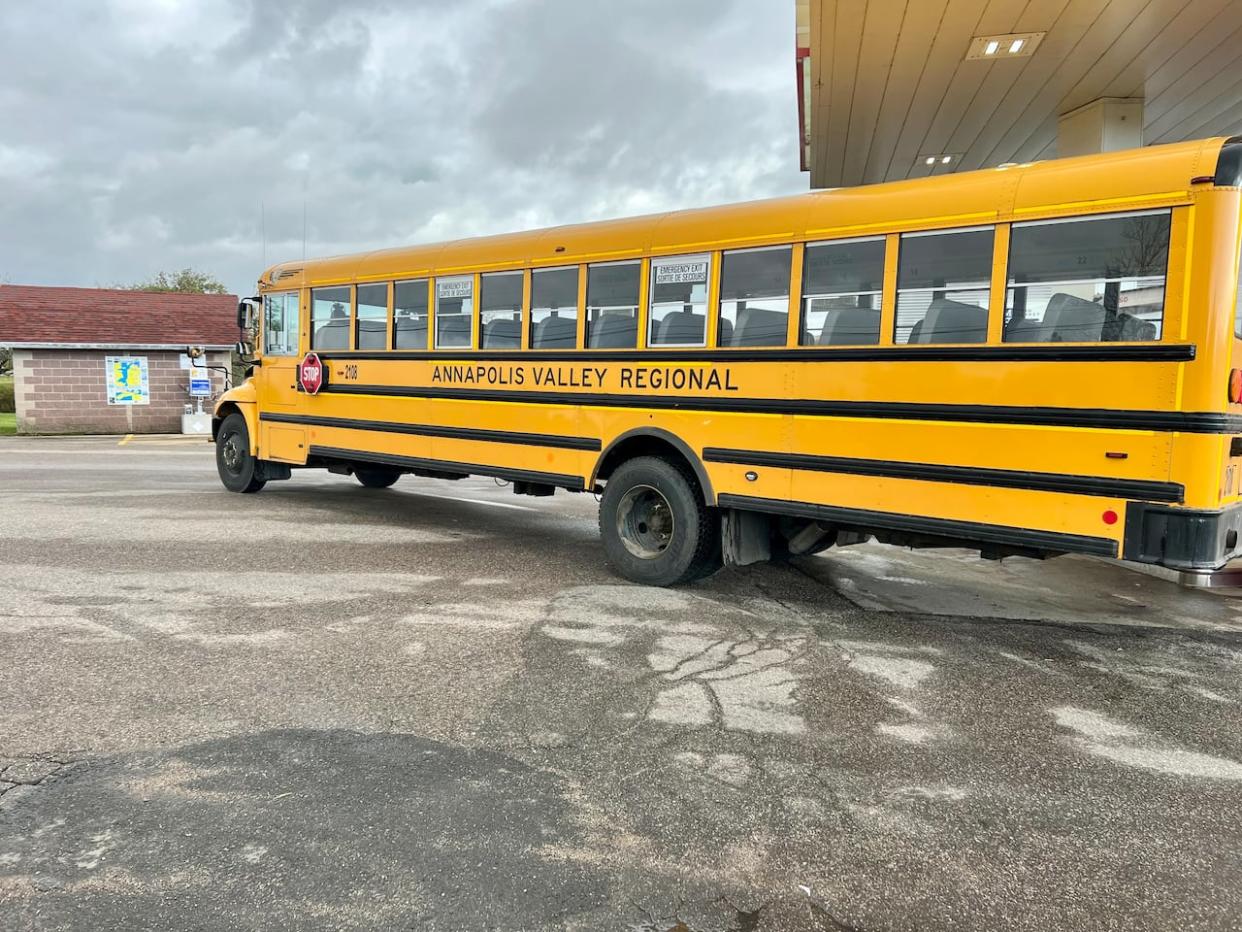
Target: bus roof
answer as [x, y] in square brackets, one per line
[1155, 176]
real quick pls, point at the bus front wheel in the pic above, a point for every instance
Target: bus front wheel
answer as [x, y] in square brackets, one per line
[376, 477]
[654, 524]
[239, 471]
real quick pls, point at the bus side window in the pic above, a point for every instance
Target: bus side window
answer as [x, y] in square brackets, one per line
[409, 308]
[500, 310]
[679, 301]
[554, 308]
[372, 315]
[754, 297]
[454, 311]
[1087, 280]
[330, 317]
[942, 286]
[842, 284]
[612, 305]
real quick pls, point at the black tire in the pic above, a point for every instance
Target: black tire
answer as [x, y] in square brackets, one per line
[376, 477]
[239, 471]
[654, 524]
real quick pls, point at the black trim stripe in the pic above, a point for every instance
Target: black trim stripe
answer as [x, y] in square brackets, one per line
[1144, 489]
[574, 483]
[433, 430]
[1195, 422]
[1044, 352]
[932, 527]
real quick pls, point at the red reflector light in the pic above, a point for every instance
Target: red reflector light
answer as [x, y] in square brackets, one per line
[1235, 386]
[1110, 517]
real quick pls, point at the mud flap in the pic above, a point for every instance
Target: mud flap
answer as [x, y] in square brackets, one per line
[745, 537]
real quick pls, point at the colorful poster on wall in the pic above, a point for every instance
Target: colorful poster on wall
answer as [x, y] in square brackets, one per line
[127, 380]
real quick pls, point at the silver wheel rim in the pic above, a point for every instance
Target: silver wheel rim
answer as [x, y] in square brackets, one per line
[231, 454]
[645, 522]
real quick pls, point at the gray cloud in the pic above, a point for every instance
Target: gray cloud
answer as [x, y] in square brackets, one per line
[148, 134]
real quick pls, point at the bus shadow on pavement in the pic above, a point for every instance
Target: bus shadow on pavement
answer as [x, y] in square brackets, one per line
[292, 828]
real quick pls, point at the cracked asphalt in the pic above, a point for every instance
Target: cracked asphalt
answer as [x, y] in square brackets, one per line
[434, 708]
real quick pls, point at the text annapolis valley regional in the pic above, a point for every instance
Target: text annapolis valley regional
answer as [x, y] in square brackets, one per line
[641, 378]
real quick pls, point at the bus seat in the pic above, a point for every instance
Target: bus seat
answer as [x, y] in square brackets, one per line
[614, 331]
[757, 326]
[1027, 330]
[372, 333]
[915, 333]
[682, 327]
[953, 322]
[453, 330]
[1129, 329]
[502, 334]
[556, 333]
[725, 336]
[410, 333]
[333, 335]
[1074, 320]
[851, 326]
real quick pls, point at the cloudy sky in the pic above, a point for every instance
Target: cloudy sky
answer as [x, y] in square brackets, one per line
[141, 135]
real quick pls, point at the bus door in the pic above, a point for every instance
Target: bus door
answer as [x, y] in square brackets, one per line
[277, 376]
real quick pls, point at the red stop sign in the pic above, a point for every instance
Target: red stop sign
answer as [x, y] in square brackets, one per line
[311, 374]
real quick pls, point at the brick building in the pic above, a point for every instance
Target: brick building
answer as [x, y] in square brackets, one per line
[94, 360]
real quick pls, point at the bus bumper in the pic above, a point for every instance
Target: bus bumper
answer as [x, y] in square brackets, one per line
[1182, 538]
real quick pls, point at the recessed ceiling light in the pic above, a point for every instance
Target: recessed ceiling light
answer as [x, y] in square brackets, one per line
[1010, 45]
[939, 161]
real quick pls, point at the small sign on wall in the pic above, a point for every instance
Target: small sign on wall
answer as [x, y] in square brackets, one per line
[128, 380]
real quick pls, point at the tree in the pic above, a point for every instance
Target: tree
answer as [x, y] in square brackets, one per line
[186, 281]
[6, 361]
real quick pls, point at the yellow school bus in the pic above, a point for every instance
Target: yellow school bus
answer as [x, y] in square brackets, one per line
[1033, 359]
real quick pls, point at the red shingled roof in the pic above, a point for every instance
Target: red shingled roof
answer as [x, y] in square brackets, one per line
[113, 317]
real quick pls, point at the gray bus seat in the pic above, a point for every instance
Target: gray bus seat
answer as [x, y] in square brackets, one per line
[556, 333]
[954, 322]
[756, 326]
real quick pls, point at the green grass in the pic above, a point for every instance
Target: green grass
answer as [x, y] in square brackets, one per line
[8, 424]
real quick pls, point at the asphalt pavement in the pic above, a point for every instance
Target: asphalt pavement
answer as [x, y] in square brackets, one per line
[434, 707]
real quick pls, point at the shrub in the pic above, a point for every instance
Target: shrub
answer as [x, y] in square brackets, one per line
[7, 405]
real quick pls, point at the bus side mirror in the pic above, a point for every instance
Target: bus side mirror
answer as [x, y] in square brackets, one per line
[246, 313]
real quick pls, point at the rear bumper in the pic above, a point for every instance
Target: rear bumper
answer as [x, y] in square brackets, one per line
[1182, 538]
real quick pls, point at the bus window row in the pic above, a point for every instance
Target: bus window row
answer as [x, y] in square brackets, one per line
[1083, 280]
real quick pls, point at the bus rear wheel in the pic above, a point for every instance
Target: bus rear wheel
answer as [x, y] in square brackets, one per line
[376, 477]
[239, 471]
[654, 524]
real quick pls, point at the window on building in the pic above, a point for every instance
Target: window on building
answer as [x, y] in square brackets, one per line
[280, 324]
[612, 305]
[372, 316]
[679, 301]
[1087, 280]
[942, 286]
[554, 308]
[454, 311]
[330, 318]
[409, 312]
[754, 297]
[500, 310]
[842, 284]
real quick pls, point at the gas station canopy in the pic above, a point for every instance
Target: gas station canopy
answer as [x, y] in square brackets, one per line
[891, 89]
